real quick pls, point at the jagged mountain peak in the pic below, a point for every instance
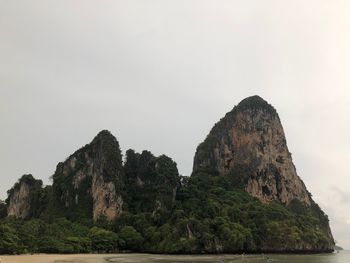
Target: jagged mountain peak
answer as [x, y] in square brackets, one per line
[104, 135]
[21, 196]
[255, 103]
[249, 145]
[92, 175]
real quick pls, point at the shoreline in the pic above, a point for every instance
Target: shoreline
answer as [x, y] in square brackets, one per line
[168, 258]
[272, 252]
[139, 254]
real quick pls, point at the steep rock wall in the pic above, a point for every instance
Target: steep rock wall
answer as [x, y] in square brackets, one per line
[91, 179]
[23, 197]
[250, 143]
[248, 146]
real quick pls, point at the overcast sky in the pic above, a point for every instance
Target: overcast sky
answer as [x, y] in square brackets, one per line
[159, 74]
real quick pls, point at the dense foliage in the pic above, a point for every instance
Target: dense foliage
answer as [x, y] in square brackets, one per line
[151, 182]
[3, 208]
[207, 216]
[162, 211]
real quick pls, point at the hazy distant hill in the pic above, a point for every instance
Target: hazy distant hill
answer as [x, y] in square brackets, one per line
[338, 248]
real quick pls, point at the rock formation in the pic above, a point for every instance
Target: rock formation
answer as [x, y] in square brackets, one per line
[22, 197]
[91, 179]
[91, 183]
[249, 147]
[152, 182]
[249, 143]
[244, 194]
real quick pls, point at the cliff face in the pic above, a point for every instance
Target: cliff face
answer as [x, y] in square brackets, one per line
[152, 182]
[249, 143]
[23, 196]
[93, 183]
[91, 180]
[244, 194]
[248, 146]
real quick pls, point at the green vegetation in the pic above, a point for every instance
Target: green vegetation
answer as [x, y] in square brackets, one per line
[3, 209]
[218, 134]
[256, 103]
[208, 216]
[151, 182]
[162, 211]
[35, 193]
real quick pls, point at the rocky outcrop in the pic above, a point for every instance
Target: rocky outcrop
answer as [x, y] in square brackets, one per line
[90, 181]
[22, 197]
[151, 182]
[244, 159]
[249, 143]
[249, 147]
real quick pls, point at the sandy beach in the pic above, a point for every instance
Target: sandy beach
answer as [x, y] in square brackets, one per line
[342, 257]
[103, 258]
[121, 258]
[44, 258]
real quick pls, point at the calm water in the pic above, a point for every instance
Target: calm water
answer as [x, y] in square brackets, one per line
[342, 257]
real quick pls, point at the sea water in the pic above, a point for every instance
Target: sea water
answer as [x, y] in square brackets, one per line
[341, 257]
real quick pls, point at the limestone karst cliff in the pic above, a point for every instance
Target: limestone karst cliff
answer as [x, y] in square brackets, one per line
[244, 195]
[94, 183]
[152, 182]
[23, 196]
[91, 179]
[249, 147]
[249, 142]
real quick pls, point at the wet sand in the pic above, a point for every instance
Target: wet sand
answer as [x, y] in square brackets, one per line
[108, 258]
[44, 258]
[343, 257]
